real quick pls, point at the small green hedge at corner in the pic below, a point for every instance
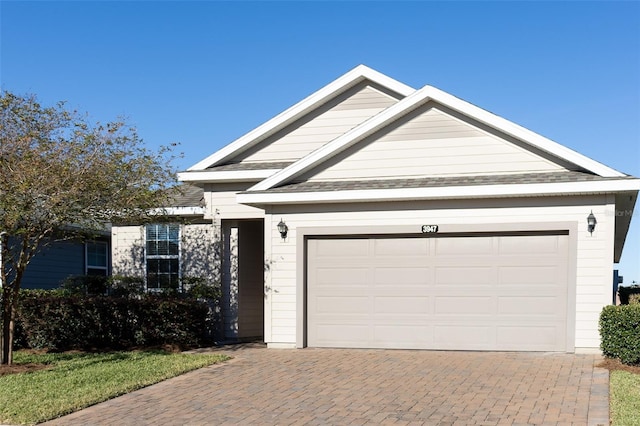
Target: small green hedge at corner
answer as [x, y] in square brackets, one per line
[620, 333]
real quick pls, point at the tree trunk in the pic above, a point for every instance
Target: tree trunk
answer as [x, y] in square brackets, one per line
[8, 322]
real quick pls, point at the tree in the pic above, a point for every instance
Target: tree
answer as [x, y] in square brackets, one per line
[62, 177]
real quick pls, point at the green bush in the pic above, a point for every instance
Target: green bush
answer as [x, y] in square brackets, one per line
[84, 285]
[620, 333]
[63, 322]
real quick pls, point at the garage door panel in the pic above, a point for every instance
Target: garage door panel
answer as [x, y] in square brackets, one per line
[337, 248]
[463, 246]
[405, 276]
[452, 276]
[342, 305]
[393, 247]
[530, 275]
[456, 293]
[403, 335]
[337, 276]
[402, 305]
[528, 305]
[464, 305]
[529, 245]
[463, 335]
[343, 335]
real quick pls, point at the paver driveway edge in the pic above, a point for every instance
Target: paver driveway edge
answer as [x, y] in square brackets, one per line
[343, 386]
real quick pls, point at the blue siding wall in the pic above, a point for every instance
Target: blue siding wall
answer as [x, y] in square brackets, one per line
[52, 265]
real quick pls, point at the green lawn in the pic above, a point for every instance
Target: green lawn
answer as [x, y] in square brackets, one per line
[625, 398]
[76, 381]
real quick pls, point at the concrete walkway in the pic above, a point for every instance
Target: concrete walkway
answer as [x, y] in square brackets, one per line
[338, 387]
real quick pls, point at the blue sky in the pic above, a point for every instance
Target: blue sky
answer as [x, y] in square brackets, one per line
[204, 73]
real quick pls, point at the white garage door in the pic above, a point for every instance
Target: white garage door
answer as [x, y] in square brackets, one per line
[467, 292]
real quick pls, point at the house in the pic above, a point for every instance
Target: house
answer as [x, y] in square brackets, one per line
[374, 215]
[64, 258]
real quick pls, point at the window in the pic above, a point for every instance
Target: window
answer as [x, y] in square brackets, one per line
[163, 254]
[97, 258]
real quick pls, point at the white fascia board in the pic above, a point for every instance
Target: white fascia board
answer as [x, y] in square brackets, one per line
[413, 101]
[226, 176]
[439, 193]
[521, 133]
[303, 107]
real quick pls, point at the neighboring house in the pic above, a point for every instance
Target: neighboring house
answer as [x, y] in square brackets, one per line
[409, 218]
[62, 259]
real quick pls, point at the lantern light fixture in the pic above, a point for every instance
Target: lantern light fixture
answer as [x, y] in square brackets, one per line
[591, 222]
[283, 229]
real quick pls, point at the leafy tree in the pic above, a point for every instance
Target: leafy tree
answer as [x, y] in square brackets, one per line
[63, 177]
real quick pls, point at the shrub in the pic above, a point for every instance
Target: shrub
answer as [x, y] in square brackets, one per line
[124, 286]
[84, 285]
[620, 333]
[63, 322]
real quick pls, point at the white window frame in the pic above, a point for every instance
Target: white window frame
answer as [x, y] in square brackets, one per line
[148, 257]
[87, 265]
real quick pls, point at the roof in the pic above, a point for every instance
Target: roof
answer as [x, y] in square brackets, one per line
[414, 101]
[307, 105]
[441, 181]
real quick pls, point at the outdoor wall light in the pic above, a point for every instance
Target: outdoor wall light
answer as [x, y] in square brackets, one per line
[282, 229]
[591, 222]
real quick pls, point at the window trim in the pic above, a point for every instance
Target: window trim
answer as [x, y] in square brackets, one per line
[87, 266]
[177, 257]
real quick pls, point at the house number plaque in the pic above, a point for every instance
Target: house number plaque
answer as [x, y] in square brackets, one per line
[429, 229]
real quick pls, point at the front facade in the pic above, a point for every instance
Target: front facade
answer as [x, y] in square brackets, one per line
[374, 215]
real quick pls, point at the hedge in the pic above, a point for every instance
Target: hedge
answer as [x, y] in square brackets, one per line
[620, 333]
[64, 322]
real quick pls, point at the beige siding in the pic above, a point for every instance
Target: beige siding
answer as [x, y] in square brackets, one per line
[594, 252]
[433, 143]
[221, 202]
[200, 251]
[128, 250]
[299, 140]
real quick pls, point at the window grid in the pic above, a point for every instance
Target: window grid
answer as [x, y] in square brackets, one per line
[96, 258]
[163, 256]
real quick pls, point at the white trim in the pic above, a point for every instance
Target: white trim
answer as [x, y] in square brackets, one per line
[444, 192]
[351, 78]
[413, 101]
[226, 176]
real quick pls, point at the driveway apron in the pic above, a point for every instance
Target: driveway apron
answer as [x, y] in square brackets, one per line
[343, 386]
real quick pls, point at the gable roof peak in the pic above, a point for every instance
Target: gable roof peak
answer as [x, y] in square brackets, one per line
[341, 84]
[415, 100]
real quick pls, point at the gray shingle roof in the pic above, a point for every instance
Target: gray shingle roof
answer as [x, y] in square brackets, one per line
[188, 195]
[250, 166]
[441, 181]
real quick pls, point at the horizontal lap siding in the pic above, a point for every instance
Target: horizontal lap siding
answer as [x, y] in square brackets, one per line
[128, 250]
[593, 278]
[327, 126]
[434, 144]
[222, 204]
[53, 264]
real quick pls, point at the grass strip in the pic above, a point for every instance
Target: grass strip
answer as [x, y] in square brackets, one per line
[625, 398]
[78, 380]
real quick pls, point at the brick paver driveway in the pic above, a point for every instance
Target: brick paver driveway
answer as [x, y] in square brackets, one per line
[337, 387]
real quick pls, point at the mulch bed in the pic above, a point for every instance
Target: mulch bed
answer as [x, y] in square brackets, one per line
[21, 368]
[615, 364]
